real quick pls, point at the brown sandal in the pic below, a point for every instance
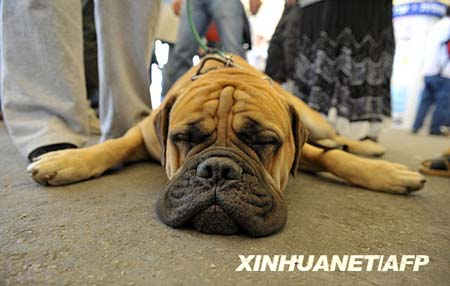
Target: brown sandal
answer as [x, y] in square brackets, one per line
[436, 167]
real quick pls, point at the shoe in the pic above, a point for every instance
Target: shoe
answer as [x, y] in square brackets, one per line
[445, 130]
[49, 148]
[438, 133]
[370, 138]
[436, 167]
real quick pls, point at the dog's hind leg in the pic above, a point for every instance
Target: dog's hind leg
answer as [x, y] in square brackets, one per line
[323, 133]
[73, 165]
[377, 175]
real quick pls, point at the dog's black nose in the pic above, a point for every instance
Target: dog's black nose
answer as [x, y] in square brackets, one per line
[219, 168]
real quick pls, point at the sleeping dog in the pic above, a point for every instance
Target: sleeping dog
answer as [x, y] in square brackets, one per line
[228, 138]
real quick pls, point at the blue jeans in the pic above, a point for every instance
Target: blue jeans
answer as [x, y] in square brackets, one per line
[436, 91]
[226, 14]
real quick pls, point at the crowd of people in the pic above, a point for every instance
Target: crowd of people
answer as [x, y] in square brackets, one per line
[336, 55]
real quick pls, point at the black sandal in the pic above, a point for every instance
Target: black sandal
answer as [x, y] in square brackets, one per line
[436, 167]
[49, 148]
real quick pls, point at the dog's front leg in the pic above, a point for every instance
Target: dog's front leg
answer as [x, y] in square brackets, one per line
[73, 165]
[372, 174]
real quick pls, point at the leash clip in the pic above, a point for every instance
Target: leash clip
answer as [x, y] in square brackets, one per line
[226, 60]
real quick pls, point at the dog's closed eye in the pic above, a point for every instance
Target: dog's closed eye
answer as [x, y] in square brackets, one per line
[187, 139]
[267, 137]
[264, 143]
[182, 137]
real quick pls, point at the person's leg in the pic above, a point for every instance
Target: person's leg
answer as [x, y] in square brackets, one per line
[426, 100]
[228, 17]
[1, 114]
[442, 106]
[90, 52]
[43, 86]
[125, 32]
[186, 46]
[446, 121]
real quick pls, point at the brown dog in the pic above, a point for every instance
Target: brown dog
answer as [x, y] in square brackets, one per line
[228, 138]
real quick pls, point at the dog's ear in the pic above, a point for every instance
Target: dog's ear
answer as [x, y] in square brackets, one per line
[161, 124]
[300, 134]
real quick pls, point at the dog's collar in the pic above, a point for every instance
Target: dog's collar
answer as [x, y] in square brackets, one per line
[226, 60]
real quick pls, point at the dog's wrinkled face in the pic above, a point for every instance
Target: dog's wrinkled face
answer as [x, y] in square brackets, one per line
[228, 150]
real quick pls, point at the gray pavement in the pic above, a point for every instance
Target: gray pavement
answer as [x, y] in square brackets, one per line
[105, 231]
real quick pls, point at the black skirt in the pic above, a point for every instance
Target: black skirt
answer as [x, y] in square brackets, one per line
[343, 57]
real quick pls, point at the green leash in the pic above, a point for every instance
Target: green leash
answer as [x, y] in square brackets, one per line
[197, 37]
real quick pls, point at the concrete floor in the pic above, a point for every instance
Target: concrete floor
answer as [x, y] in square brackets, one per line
[105, 231]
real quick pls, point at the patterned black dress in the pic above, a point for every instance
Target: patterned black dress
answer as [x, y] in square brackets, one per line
[343, 62]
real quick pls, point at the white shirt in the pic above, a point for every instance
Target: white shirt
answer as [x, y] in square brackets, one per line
[436, 59]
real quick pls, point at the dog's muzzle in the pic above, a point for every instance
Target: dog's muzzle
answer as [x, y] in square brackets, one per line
[219, 192]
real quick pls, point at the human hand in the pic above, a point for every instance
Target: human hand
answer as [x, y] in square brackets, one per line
[176, 6]
[254, 6]
[291, 2]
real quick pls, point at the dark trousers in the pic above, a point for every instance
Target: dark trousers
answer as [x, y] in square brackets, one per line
[436, 91]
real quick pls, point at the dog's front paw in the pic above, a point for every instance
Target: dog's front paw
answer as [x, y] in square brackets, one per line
[63, 167]
[390, 177]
